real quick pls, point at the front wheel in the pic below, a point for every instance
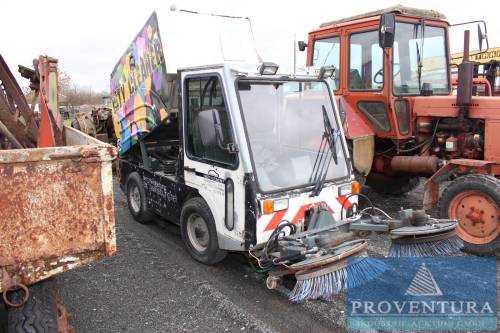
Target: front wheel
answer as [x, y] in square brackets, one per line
[199, 232]
[474, 200]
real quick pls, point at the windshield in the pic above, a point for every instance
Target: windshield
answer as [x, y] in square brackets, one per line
[285, 126]
[417, 60]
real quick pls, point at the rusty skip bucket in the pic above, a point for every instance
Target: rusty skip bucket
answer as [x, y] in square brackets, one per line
[56, 208]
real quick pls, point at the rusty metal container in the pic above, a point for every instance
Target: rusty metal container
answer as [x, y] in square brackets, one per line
[56, 208]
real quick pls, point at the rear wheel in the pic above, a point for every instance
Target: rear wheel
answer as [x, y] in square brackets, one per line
[136, 199]
[474, 200]
[38, 314]
[199, 232]
[392, 185]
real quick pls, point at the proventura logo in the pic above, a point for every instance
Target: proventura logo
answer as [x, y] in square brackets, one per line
[423, 284]
[422, 294]
[419, 307]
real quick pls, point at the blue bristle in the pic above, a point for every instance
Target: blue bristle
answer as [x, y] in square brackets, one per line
[427, 249]
[358, 271]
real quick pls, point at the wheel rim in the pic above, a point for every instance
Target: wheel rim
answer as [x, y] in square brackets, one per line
[135, 198]
[478, 216]
[197, 231]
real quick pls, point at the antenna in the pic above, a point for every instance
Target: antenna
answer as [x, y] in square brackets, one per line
[294, 54]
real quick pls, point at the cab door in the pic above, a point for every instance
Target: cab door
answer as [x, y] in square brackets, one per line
[211, 162]
[366, 87]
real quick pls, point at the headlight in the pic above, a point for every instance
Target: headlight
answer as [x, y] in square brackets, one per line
[268, 68]
[280, 204]
[270, 206]
[345, 190]
[354, 187]
[327, 72]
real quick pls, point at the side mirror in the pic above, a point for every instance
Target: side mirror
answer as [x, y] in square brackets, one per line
[302, 45]
[386, 29]
[481, 37]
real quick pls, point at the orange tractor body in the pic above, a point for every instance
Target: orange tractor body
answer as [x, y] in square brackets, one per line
[394, 89]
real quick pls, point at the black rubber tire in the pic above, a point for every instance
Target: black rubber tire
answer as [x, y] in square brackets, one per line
[213, 254]
[39, 314]
[144, 215]
[487, 184]
[391, 185]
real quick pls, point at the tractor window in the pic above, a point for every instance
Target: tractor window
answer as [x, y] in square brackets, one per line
[366, 66]
[419, 58]
[208, 132]
[327, 53]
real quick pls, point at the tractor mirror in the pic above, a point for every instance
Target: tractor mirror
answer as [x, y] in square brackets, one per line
[386, 30]
[481, 37]
[302, 45]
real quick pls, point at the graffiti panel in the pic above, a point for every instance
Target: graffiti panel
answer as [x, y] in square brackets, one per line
[139, 87]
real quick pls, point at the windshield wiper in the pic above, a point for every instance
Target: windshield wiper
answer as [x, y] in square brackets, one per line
[326, 152]
[419, 57]
[419, 68]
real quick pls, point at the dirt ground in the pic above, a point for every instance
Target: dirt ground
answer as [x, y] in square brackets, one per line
[153, 285]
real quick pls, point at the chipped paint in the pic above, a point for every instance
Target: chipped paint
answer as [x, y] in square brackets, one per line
[57, 208]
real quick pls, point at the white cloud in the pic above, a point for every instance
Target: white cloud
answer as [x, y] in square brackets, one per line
[89, 36]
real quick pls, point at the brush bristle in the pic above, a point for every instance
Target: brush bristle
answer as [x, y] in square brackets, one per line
[358, 271]
[427, 249]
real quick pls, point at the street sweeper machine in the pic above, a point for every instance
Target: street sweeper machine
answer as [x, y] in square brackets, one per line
[247, 159]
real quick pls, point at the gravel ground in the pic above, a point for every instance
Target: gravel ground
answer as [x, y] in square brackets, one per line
[153, 285]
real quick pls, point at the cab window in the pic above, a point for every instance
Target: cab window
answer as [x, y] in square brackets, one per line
[366, 70]
[327, 53]
[208, 131]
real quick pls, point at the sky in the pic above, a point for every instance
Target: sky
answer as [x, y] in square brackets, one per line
[88, 37]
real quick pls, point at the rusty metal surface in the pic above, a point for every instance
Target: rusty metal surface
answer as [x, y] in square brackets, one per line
[15, 112]
[417, 165]
[63, 316]
[56, 211]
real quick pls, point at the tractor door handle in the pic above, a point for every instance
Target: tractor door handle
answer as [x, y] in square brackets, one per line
[188, 169]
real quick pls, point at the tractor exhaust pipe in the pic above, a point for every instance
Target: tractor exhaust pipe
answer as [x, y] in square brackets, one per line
[415, 165]
[465, 76]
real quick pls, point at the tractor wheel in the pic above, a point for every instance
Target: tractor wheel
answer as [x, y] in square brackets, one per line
[474, 200]
[392, 185]
[38, 314]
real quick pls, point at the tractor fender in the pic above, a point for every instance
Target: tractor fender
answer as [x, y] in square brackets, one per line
[463, 166]
[360, 134]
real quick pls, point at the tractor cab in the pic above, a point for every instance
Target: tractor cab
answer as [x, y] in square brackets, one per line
[384, 59]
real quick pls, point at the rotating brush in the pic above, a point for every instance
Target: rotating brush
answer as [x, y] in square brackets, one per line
[326, 282]
[426, 246]
[325, 276]
[415, 234]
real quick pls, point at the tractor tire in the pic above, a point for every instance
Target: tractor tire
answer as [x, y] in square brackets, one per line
[136, 199]
[474, 200]
[38, 314]
[199, 233]
[391, 185]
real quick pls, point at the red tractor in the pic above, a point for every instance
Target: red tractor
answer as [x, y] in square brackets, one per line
[393, 87]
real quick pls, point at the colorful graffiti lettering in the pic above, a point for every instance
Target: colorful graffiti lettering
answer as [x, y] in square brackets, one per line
[138, 87]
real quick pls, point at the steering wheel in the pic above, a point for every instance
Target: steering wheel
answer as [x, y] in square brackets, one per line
[380, 73]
